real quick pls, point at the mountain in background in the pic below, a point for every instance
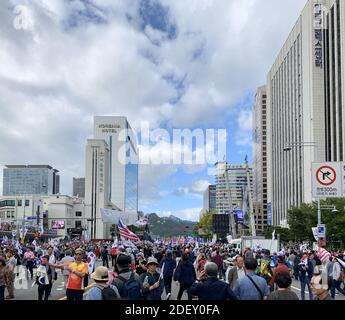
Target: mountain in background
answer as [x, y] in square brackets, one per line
[169, 226]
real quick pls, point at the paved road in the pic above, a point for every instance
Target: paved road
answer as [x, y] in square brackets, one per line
[29, 292]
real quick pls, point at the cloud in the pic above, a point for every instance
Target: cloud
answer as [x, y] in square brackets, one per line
[243, 136]
[190, 214]
[161, 61]
[195, 188]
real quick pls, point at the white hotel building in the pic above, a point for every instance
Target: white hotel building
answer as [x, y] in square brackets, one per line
[111, 172]
[306, 103]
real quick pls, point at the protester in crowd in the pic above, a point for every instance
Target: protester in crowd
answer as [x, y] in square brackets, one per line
[44, 278]
[217, 259]
[184, 276]
[113, 255]
[283, 281]
[168, 265]
[152, 284]
[305, 269]
[251, 287]
[77, 271]
[338, 277]
[11, 265]
[321, 290]
[237, 272]
[280, 267]
[102, 290]
[126, 282]
[29, 258]
[105, 257]
[65, 261]
[209, 287]
[2, 278]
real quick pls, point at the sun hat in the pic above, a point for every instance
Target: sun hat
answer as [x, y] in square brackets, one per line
[152, 260]
[100, 274]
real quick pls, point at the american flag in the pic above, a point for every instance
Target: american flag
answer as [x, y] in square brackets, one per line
[125, 232]
[323, 254]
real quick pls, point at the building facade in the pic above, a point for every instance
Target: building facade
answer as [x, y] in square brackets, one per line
[305, 91]
[97, 193]
[30, 180]
[260, 159]
[123, 160]
[79, 187]
[237, 183]
[209, 198]
[60, 215]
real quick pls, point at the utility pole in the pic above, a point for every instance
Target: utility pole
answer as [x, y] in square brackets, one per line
[232, 218]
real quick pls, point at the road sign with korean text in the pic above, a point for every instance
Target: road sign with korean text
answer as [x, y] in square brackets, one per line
[327, 180]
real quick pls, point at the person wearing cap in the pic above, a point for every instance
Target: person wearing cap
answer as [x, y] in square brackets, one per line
[124, 273]
[77, 271]
[101, 278]
[152, 285]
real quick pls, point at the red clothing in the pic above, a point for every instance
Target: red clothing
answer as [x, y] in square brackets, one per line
[281, 267]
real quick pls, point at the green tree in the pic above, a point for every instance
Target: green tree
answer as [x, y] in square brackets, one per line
[205, 224]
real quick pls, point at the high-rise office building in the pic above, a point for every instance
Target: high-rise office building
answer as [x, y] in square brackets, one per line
[97, 187]
[30, 180]
[209, 198]
[260, 159]
[79, 187]
[305, 105]
[123, 160]
[334, 67]
[237, 175]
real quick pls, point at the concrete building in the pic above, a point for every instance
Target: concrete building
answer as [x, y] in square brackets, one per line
[209, 198]
[79, 187]
[60, 215]
[30, 180]
[97, 189]
[260, 159]
[237, 183]
[305, 92]
[123, 160]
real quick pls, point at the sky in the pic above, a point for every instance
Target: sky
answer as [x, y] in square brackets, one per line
[175, 64]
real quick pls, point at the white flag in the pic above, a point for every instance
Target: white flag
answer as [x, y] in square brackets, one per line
[91, 261]
[273, 234]
[315, 233]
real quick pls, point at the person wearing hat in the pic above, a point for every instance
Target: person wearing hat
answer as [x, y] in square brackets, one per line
[98, 291]
[152, 285]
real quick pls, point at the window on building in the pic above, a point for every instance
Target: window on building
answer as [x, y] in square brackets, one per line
[78, 224]
[27, 203]
[19, 203]
[12, 215]
[78, 213]
[8, 214]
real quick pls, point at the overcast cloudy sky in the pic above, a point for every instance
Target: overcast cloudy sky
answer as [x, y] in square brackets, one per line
[174, 63]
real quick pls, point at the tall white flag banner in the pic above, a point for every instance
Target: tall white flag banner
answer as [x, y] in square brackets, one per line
[315, 233]
[112, 216]
[273, 234]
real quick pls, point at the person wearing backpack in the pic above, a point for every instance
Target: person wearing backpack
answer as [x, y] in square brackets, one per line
[127, 282]
[101, 290]
[152, 285]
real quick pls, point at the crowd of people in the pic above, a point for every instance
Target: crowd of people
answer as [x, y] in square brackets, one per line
[146, 270]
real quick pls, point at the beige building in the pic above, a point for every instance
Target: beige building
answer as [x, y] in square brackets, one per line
[260, 159]
[305, 105]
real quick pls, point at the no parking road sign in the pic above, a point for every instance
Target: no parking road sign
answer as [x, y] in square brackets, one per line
[327, 180]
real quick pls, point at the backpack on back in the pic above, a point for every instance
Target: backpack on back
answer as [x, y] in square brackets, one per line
[130, 289]
[109, 294]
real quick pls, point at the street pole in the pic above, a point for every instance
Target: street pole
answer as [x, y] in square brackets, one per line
[232, 218]
[318, 211]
